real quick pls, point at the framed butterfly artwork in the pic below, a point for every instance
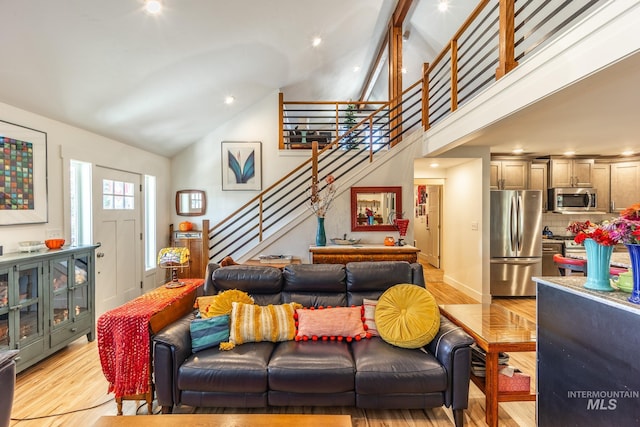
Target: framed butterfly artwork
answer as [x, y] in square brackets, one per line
[241, 165]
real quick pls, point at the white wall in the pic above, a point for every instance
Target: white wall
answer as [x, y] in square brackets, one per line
[199, 167]
[463, 249]
[65, 142]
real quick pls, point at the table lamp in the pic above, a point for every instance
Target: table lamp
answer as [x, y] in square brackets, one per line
[174, 258]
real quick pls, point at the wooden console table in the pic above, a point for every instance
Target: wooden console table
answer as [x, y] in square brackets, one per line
[124, 338]
[342, 254]
[495, 329]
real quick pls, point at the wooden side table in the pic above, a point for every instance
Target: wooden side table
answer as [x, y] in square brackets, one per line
[342, 254]
[495, 329]
[124, 338]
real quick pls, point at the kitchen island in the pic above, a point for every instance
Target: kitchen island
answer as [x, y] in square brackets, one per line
[587, 355]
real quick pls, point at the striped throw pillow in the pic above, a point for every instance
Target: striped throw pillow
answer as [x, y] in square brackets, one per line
[255, 323]
[209, 332]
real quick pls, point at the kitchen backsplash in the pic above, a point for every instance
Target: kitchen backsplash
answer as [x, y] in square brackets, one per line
[557, 223]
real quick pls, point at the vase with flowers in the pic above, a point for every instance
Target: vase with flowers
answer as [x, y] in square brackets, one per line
[598, 242]
[320, 200]
[626, 229]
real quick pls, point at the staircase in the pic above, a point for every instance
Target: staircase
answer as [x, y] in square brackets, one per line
[464, 68]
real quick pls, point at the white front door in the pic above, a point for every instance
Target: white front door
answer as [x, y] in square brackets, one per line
[117, 227]
[433, 225]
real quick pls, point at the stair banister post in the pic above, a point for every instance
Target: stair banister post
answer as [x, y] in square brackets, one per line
[314, 171]
[425, 96]
[507, 36]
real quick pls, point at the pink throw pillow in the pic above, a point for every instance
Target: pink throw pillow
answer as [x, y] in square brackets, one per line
[333, 323]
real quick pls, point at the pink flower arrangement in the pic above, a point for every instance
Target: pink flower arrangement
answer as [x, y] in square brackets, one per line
[624, 229]
[320, 200]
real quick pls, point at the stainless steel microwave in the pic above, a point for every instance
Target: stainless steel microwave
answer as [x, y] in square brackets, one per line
[573, 199]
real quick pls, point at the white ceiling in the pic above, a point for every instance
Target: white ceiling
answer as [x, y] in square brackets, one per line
[159, 82]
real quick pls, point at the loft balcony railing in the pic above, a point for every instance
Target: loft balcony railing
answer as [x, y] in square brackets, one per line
[489, 44]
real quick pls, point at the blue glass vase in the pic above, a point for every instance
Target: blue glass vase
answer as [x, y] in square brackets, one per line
[321, 236]
[634, 255]
[598, 259]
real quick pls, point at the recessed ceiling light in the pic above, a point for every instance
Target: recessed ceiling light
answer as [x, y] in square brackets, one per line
[627, 153]
[316, 41]
[229, 100]
[153, 7]
[404, 70]
[356, 69]
[443, 5]
[434, 165]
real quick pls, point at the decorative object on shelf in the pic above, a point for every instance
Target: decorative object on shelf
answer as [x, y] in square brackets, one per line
[321, 236]
[623, 281]
[241, 165]
[54, 243]
[344, 241]
[389, 241]
[401, 225]
[349, 140]
[174, 258]
[25, 155]
[191, 202]
[185, 226]
[320, 200]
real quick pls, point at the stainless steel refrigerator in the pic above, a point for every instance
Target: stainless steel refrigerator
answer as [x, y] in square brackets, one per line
[516, 241]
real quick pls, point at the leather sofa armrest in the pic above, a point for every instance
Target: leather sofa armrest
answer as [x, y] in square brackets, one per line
[451, 347]
[171, 347]
[417, 274]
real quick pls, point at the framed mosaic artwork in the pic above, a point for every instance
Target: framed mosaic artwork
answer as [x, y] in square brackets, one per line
[23, 175]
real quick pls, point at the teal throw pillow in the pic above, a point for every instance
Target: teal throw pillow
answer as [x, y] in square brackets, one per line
[206, 333]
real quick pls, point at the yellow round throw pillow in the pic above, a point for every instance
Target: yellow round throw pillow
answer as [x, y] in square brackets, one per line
[407, 316]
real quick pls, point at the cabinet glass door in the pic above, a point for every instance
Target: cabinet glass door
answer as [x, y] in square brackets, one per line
[81, 295]
[29, 304]
[4, 308]
[59, 278]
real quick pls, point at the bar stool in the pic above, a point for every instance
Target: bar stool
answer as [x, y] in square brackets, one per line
[616, 271]
[566, 266]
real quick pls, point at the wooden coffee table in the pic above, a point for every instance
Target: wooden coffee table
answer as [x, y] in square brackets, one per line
[495, 329]
[226, 420]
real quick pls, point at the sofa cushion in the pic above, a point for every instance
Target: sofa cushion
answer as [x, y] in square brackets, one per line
[369, 312]
[242, 369]
[333, 322]
[254, 323]
[311, 366]
[407, 316]
[370, 279]
[263, 283]
[385, 369]
[209, 332]
[315, 285]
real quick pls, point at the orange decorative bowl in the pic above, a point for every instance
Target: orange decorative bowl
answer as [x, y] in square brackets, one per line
[54, 243]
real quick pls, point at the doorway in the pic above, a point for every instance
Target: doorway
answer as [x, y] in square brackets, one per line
[117, 227]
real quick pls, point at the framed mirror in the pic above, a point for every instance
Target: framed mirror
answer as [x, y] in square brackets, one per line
[371, 208]
[191, 202]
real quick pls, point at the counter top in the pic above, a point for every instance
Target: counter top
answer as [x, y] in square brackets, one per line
[575, 285]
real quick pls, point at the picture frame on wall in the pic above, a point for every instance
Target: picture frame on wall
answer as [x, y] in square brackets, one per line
[23, 175]
[241, 165]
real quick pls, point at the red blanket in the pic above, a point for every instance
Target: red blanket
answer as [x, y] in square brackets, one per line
[124, 338]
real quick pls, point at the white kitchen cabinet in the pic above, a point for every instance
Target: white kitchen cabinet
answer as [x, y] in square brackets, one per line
[538, 181]
[509, 174]
[571, 173]
[601, 177]
[625, 185]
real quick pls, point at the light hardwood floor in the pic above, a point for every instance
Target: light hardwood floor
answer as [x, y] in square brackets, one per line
[72, 380]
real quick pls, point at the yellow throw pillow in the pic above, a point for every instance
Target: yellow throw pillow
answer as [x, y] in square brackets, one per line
[217, 305]
[407, 316]
[255, 323]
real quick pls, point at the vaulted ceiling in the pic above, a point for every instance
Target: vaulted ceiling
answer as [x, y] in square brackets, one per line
[159, 82]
